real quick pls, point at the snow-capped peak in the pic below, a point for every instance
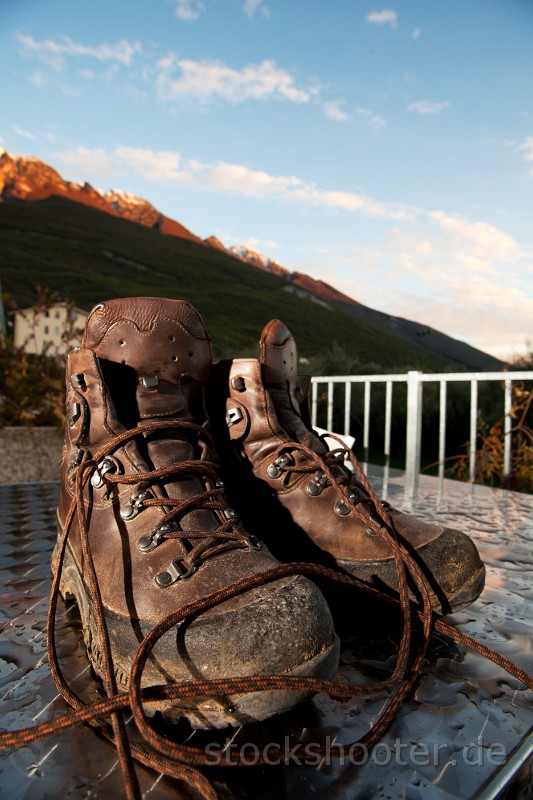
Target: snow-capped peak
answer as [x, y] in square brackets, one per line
[120, 194]
[249, 254]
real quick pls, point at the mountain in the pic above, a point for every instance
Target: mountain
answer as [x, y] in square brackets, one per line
[23, 178]
[87, 245]
[256, 259]
[424, 336]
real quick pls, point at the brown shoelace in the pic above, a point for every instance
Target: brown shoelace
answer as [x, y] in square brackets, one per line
[182, 761]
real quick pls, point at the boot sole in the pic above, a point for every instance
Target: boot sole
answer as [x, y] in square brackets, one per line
[446, 604]
[204, 712]
[465, 596]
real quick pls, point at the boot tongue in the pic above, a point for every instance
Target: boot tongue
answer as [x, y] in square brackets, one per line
[279, 366]
[155, 355]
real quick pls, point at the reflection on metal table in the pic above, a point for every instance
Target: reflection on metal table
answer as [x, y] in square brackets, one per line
[466, 732]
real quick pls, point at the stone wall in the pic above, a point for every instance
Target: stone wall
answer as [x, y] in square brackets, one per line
[30, 454]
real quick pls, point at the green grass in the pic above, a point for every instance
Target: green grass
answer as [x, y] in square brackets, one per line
[66, 247]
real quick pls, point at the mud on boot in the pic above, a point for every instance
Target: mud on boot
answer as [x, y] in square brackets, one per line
[141, 500]
[298, 494]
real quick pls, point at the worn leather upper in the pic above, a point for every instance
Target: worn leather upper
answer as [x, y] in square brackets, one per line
[265, 393]
[125, 343]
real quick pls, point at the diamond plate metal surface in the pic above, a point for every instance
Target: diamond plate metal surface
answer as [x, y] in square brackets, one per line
[464, 733]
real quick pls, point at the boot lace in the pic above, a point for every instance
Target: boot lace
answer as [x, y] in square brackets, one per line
[181, 761]
[207, 543]
[329, 469]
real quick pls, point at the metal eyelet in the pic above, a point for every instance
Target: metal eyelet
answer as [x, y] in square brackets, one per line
[376, 519]
[275, 469]
[233, 416]
[73, 414]
[238, 383]
[314, 488]
[149, 541]
[150, 383]
[77, 381]
[105, 466]
[134, 506]
[253, 542]
[174, 572]
[229, 513]
[343, 508]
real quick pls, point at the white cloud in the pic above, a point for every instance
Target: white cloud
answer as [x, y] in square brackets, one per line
[53, 52]
[265, 246]
[374, 120]
[416, 34]
[169, 167]
[527, 145]
[161, 165]
[385, 17]
[94, 160]
[472, 242]
[527, 148]
[189, 10]
[71, 91]
[485, 242]
[251, 7]
[37, 79]
[25, 134]
[423, 275]
[205, 81]
[333, 110]
[462, 276]
[428, 107]
[486, 312]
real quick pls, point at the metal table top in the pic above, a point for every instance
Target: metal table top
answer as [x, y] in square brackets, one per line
[464, 733]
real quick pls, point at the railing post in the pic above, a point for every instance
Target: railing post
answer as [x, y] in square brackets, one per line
[473, 431]
[414, 431]
[442, 436]
[329, 423]
[386, 442]
[388, 420]
[507, 426]
[347, 407]
[314, 403]
[366, 426]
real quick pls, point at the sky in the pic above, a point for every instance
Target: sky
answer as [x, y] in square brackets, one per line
[384, 147]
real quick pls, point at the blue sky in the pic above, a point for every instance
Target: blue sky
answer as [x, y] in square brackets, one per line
[386, 148]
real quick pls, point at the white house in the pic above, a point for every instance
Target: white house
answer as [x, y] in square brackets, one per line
[54, 330]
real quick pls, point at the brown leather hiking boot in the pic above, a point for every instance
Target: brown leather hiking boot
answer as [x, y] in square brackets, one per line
[300, 497]
[152, 517]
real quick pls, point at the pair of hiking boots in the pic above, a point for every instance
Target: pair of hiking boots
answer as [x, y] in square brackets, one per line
[145, 528]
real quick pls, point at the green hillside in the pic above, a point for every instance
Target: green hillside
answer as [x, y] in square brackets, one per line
[88, 256]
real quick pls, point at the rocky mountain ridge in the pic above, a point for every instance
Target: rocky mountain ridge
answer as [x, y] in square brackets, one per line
[24, 178]
[28, 178]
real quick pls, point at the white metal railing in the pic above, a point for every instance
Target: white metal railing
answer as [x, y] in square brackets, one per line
[415, 381]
